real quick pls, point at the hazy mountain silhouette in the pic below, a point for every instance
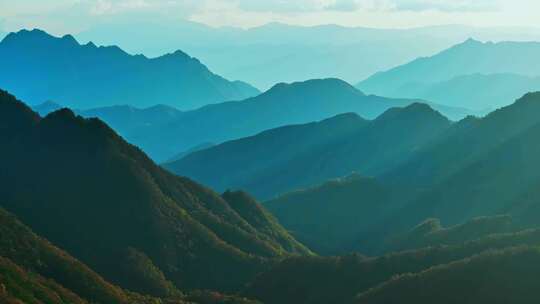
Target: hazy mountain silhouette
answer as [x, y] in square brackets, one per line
[284, 104]
[293, 157]
[183, 154]
[476, 91]
[451, 77]
[277, 52]
[110, 206]
[164, 132]
[38, 67]
[46, 107]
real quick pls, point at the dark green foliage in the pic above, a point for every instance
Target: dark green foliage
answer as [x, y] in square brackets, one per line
[19, 244]
[262, 220]
[506, 276]
[330, 218]
[144, 275]
[480, 167]
[18, 286]
[339, 279]
[85, 189]
[212, 297]
[431, 232]
[294, 157]
[39, 67]
[476, 167]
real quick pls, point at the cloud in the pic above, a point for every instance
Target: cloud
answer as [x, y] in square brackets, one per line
[414, 5]
[448, 5]
[356, 5]
[281, 6]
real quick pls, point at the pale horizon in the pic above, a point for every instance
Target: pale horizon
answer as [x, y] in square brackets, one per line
[73, 16]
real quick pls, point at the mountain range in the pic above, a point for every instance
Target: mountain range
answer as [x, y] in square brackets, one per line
[277, 52]
[164, 132]
[475, 167]
[294, 157]
[488, 263]
[127, 224]
[106, 203]
[39, 67]
[473, 74]
[367, 199]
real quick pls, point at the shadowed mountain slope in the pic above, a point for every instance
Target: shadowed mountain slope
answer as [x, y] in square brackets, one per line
[293, 157]
[110, 206]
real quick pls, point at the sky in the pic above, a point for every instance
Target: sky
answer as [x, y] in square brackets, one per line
[72, 16]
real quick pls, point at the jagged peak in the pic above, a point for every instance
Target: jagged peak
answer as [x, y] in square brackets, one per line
[37, 35]
[64, 114]
[178, 54]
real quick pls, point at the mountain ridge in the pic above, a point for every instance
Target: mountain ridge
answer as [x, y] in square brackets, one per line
[314, 152]
[148, 218]
[72, 74]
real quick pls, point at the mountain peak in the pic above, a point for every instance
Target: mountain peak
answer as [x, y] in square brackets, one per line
[38, 39]
[63, 114]
[69, 38]
[326, 84]
[415, 110]
[25, 34]
[182, 81]
[472, 41]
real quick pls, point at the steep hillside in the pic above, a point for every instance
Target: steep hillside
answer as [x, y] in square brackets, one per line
[20, 245]
[330, 218]
[38, 67]
[493, 277]
[293, 157]
[482, 167]
[106, 203]
[432, 233]
[264, 154]
[19, 286]
[314, 280]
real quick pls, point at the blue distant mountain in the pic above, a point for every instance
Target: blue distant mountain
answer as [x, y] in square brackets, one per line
[294, 157]
[277, 52]
[38, 67]
[284, 104]
[472, 74]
